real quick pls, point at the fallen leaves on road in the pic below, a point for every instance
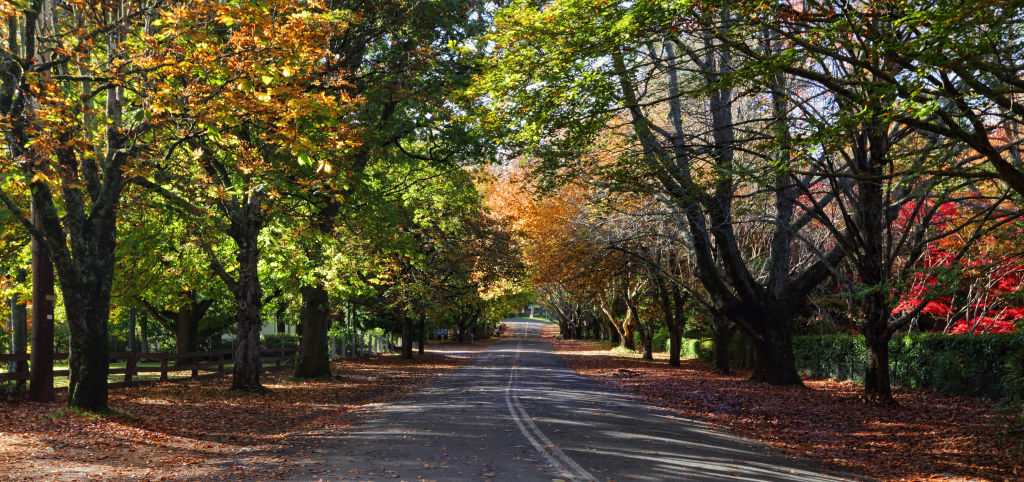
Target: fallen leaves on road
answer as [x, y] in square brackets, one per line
[198, 429]
[927, 437]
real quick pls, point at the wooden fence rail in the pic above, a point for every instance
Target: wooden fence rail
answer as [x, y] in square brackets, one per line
[195, 362]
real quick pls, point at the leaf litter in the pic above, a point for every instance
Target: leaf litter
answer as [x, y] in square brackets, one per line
[197, 429]
[928, 436]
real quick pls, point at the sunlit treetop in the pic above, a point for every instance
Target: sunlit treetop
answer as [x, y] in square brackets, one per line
[259, 82]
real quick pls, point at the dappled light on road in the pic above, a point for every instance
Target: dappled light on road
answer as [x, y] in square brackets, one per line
[517, 412]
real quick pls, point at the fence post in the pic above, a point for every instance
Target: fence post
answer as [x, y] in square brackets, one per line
[195, 366]
[163, 368]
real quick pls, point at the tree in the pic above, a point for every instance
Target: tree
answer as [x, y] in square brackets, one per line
[972, 290]
[404, 62]
[953, 71]
[269, 117]
[75, 159]
[672, 83]
[14, 285]
[564, 261]
[163, 270]
[879, 178]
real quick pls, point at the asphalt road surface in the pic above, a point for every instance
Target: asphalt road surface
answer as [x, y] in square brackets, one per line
[518, 412]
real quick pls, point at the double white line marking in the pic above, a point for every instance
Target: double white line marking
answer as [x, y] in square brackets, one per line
[566, 466]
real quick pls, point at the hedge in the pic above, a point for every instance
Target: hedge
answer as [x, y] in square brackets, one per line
[990, 366]
[278, 340]
[741, 354]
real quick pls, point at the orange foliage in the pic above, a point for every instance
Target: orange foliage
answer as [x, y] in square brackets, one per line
[556, 247]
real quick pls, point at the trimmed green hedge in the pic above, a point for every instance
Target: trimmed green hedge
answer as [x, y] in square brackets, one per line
[990, 366]
[700, 348]
[278, 340]
[740, 354]
[974, 365]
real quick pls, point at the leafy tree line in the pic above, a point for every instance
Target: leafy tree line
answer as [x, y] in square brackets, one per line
[777, 166]
[213, 164]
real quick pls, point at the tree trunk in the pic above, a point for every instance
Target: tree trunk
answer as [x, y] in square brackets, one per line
[88, 361]
[186, 335]
[674, 304]
[876, 271]
[84, 247]
[647, 341]
[421, 333]
[877, 387]
[281, 328]
[315, 359]
[249, 297]
[628, 334]
[675, 342]
[144, 333]
[40, 387]
[722, 334]
[131, 329]
[774, 362]
[19, 334]
[12, 305]
[406, 337]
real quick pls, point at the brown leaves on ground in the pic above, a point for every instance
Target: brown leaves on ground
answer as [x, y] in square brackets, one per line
[198, 429]
[927, 437]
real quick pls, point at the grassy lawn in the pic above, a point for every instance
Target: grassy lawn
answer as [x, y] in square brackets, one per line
[62, 382]
[538, 318]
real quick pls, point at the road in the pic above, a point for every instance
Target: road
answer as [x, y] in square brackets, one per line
[518, 412]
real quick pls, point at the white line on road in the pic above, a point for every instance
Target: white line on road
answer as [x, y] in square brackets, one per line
[554, 455]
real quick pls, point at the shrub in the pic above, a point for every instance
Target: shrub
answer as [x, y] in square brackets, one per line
[972, 365]
[703, 349]
[278, 340]
[10, 390]
[700, 348]
[989, 366]
[661, 339]
[839, 356]
[1013, 402]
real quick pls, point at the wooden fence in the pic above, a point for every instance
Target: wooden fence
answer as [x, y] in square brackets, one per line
[208, 361]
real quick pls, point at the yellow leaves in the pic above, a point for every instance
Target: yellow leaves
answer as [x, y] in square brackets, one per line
[226, 19]
[265, 96]
[39, 177]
